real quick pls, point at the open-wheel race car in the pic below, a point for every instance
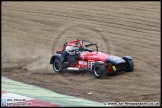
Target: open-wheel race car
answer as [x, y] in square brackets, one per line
[83, 55]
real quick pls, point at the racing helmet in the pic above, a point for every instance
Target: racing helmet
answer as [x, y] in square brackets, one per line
[70, 50]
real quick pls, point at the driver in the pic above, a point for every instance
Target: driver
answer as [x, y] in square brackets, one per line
[70, 50]
[70, 55]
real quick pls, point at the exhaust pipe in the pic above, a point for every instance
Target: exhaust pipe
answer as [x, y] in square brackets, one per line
[73, 68]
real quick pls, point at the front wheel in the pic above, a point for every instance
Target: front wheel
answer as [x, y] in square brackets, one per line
[57, 65]
[99, 70]
[130, 65]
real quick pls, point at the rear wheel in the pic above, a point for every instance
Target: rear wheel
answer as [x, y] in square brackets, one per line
[57, 65]
[130, 65]
[99, 70]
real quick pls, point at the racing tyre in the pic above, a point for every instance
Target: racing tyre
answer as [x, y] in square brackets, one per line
[57, 65]
[99, 70]
[130, 65]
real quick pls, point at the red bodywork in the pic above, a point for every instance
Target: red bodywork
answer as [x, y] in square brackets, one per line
[88, 58]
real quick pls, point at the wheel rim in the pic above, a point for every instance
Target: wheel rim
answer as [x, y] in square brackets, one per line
[97, 71]
[56, 66]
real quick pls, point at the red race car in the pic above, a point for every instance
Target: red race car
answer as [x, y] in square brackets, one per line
[83, 55]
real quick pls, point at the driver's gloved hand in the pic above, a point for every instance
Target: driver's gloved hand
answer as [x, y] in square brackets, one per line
[78, 53]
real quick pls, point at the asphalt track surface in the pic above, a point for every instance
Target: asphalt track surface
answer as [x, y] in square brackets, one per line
[58, 100]
[33, 31]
